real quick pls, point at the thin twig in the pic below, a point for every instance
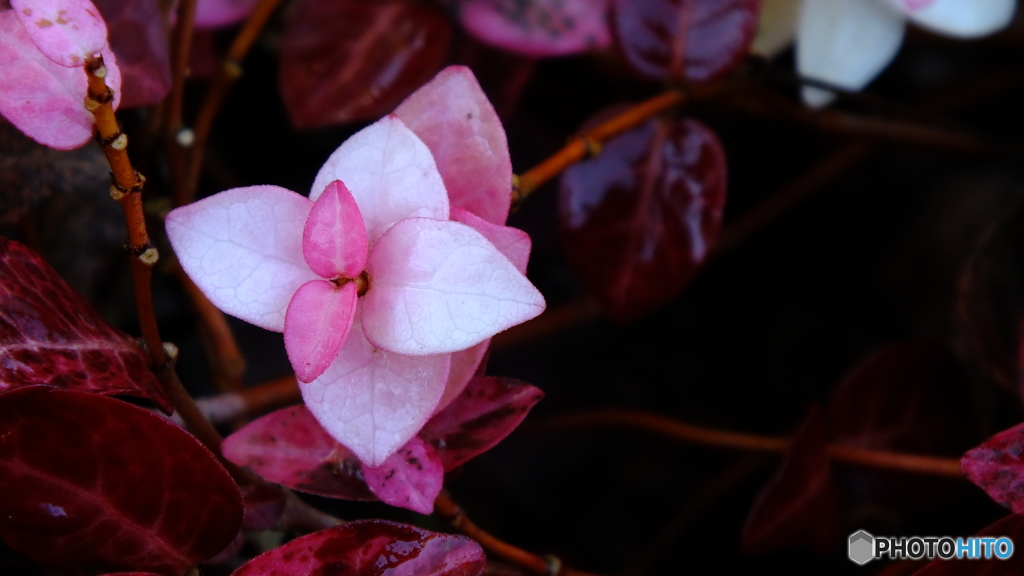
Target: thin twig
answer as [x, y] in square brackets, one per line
[230, 70]
[541, 566]
[846, 454]
[181, 45]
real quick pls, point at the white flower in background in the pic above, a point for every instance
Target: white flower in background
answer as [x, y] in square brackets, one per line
[847, 43]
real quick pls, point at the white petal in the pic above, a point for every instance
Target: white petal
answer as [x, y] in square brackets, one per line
[960, 18]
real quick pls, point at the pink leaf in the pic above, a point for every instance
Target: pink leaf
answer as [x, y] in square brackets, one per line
[89, 479]
[638, 221]
[411, 478]
[348, 60]
[217, 13]
[512, 242]
[996, 467]
[138, 37]
[44, 99]
[334, 237]
[684, 40]
[315, 327]
[800, 505]
[374, 401]
[452, 115]
[538, 27]
[49, 334]
[488, 410]
[65, 31]
[291, 448]
[438, 287]
[390, 173]
[371, 548]
[243, 248]
[959, 18]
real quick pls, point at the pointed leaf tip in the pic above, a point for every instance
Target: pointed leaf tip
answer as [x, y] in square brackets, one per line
[334, 236]
[316, 325]
[411, 478]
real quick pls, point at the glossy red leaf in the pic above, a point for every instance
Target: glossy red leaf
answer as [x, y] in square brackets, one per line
[348, 60]
[50, 335]
[487, 411]
[411, 478]
[90, 479]
[138, 37]
[1011, 526]
[371, 548]
[997, 468]
[291, 448]
[800, 505]
[538, 27]
[638, 220]
[684, 40]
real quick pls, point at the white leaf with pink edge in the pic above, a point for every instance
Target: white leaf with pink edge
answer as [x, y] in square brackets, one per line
[960, 18]
[539, 27]
[334, 237]
[243, 248]
[316, 324]
[457, 122]
[512, 242]
[65, 31]
[411, 478]
[217, 13]
[42, 98]
[465, 364]
[438, 287]
[374, 401]
[390, 173]
[845, 43]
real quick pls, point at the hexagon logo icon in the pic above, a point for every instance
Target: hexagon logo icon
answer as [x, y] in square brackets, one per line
[861, 547]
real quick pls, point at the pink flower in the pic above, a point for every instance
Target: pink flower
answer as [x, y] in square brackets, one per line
[43, 45]
[389, 280]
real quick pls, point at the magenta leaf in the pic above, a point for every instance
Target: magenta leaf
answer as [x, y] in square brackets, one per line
[487, 411]
[638, 220]
[65, 31]
[1012, 527]
[291, 448]
[996, 467]
[90, 479]
[371, 548]
[316, 325]
[800, 505]
[538, 27]
[348, 60]
[138, 37]
[411, 478]
[50, 335]
[684, 40]
[217, 13]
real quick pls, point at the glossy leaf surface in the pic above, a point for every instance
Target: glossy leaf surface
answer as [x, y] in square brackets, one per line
[538, 27]
[290, 447]
[638, 220]
[50, 335]
[348, 60]
[371, 548]
[487, 411]
[684, 40]
[800, 505]
[138, 37]
[90, 479]
[996, 467]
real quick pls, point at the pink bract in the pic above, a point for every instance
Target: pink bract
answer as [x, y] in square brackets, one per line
[411, 478]
[65, 31]
[42, 98]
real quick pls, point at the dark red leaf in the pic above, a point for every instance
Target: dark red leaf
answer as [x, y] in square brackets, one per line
[638, 220]
[347, 60]
[1011, 526]
[800, 506]
[90, 479]
[51, 335]
[264, 504]
[411, 478]
[996, 466]
[538, 27]
[487, 411]
[291, 448]
[684, 40]
[138, 37]
[371, 548]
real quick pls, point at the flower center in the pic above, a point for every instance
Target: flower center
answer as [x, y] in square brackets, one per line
[362, 282]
